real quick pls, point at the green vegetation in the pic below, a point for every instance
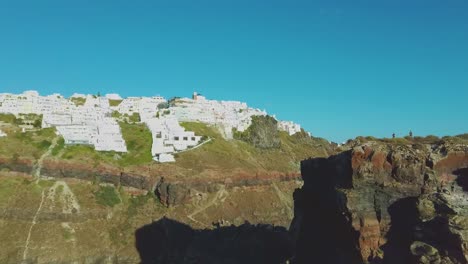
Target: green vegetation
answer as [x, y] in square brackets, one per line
[107, 196]
[459, 139]
[139, 142]
[135, 118]
[463, 136]
[30, 144]
[430, 139]
[23, 119]
[163, 105]
[79, 152]
[116, 114]
[58, 147]
[44, 144]
[114, 102]
[136, 202]
[262, 133]
[78, 101]
[67, 235]
[229, 155]
[280, 152]
[8, 118]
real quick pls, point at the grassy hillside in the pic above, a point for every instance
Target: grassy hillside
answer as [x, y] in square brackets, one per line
[31, 144]
[105, 218]
[216, 156]
[228, 155]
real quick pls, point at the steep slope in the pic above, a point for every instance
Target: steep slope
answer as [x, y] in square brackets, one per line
[384, 203]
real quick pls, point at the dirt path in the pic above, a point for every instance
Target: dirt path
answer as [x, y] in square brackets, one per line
[67, 198]
[220, 196]
[33, 223]
[38, 167]
[68, 202]
[197, 146]
[285, 200]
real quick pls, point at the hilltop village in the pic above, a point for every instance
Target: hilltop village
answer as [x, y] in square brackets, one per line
[94, 119]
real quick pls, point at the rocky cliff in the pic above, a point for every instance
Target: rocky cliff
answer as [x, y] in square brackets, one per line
[384, 203]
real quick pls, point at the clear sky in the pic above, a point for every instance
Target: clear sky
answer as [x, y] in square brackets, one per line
[340, 69]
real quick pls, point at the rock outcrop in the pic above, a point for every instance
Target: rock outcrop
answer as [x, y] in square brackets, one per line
[384, 203]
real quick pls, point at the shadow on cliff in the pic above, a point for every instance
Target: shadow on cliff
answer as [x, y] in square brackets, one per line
[404, 218]
[323, 230]
[462, 178]
[169, 241]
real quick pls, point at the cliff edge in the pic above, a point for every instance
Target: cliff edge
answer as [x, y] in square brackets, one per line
[384, 203]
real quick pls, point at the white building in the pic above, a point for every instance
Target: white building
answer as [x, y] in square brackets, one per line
[109, 136]
[289, 126]
[76, 134]
[227, 115]
[78, 95]
[2, 134]
[92, 123]
[169, 137]
[113, 96]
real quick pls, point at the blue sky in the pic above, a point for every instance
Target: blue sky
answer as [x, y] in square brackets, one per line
[339, 69]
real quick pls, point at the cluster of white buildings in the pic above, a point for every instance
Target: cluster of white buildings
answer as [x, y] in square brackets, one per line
[93, 124]
[289, 126]
[227, 115]
[88, 124]
[146, 107]
[169, 137]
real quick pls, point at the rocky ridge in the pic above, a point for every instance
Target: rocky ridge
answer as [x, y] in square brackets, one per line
[384, 203]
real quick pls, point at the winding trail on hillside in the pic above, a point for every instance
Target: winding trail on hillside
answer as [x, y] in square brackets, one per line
[197, 146]
[68, 199]
[33, 223]
[37, 169]
[285, 200]
[221, 195]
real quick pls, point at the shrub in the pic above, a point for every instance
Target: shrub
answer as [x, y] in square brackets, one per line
[107, 196]
[59, 146]
[262, 133]
[44, 144]
[163, 105]
[135, 118]
[78, 101]
[114, 102]
[37, 123]
[8, 118]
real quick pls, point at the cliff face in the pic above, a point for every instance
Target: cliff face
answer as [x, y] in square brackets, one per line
[383, 203]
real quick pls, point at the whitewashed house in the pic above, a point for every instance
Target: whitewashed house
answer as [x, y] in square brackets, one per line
[169, 137]
[109, 136]
[76, 134]
[148, 107]
[78, 95]
[289, 126]
[113, 96]
[56, 119]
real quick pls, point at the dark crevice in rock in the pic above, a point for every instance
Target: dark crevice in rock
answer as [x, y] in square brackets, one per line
[462, 178]
[404, 218]
[326, 234]
[378, 211]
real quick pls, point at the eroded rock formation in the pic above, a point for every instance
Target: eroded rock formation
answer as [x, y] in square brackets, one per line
[384, 203]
